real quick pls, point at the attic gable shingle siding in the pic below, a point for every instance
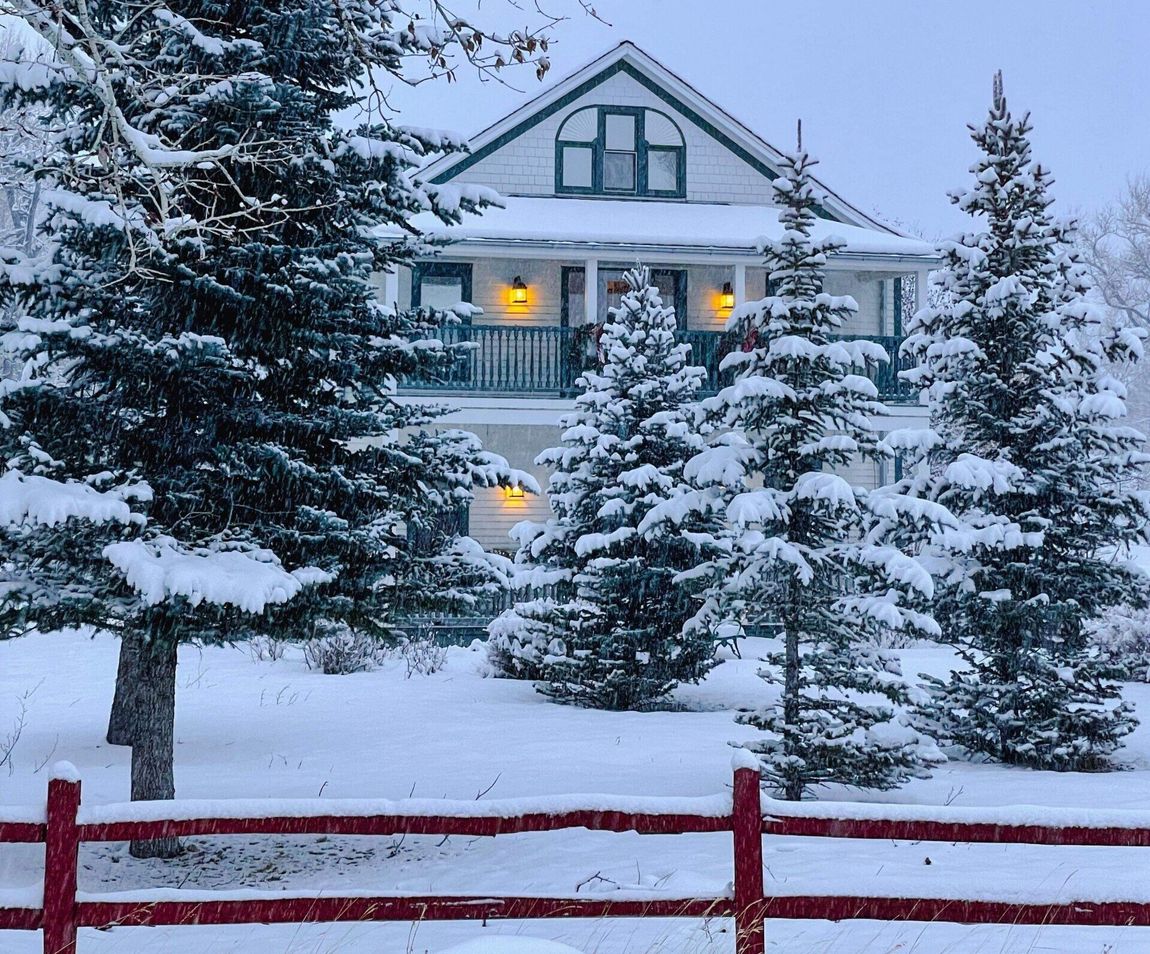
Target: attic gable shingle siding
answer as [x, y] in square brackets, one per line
[525, 163]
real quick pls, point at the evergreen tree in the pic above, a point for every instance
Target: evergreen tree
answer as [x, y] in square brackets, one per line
[1030, 453]
[803, 543]
[616, 545]
[201, 338]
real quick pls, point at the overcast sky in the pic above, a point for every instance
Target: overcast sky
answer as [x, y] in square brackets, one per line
[885, 88]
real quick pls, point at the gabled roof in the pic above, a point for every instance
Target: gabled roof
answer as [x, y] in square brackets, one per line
[684, 98]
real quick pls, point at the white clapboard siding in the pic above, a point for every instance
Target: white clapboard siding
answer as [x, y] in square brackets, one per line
[492, 279]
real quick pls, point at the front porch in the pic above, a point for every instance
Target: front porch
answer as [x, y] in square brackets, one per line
[542, 274]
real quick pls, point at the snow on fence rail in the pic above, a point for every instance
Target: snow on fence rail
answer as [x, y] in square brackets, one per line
[745, 813]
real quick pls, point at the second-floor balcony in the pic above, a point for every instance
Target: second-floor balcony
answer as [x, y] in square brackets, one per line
[546, 361]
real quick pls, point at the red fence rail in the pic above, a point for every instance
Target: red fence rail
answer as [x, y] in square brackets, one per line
[64, 828]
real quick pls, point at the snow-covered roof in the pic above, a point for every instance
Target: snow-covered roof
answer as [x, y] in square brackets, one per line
[626, 225]
[637, 62]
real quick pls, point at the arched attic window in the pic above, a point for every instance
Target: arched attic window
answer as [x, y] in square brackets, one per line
[620, 150]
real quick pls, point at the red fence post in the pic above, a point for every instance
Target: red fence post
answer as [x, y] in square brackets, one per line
[747, 826]
[61, 847]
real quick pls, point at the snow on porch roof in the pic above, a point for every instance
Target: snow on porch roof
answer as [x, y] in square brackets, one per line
[626, 224]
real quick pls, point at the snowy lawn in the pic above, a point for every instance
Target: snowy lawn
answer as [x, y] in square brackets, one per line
[257, 729]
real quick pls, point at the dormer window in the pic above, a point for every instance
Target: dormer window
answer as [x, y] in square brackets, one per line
[618, 150]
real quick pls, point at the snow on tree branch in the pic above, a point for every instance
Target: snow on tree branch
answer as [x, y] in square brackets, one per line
[249, 579]
[29, 499]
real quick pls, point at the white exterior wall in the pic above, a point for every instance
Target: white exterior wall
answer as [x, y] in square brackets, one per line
[526, 165]
[512, 426]
[494, 512]
[874, 295]
[491, 280]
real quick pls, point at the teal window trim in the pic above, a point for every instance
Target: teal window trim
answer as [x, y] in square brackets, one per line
[640, 177]
[436, 269]
[596, 167]
[642, 153]
[565, 271]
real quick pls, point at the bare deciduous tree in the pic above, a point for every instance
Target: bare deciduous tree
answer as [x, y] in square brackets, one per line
[141, 172]
[24, 141]
[1115, 244]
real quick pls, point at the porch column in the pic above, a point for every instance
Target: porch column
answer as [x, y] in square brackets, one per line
[591, 291]
[921, 284]
[390, 294]
[740, 285]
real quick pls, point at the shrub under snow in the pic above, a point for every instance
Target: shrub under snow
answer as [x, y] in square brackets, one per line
[518, 645]
[343, 651]
[1123, 638]
[422, 655]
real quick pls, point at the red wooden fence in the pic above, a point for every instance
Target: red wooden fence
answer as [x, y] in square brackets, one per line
[63, 829]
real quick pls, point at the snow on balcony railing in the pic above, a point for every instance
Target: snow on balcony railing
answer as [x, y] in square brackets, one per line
[547, 360]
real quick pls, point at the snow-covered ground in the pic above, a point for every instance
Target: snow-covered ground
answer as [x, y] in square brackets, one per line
[256, 729]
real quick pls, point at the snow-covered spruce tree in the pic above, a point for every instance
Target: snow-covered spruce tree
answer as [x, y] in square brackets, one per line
[203, 323]
[1029, 452]
[806, 545]
[614, 638]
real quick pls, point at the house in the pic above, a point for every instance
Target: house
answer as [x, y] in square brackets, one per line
[621, 162]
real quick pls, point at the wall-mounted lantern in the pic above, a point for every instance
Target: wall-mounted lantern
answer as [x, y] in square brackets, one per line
[518, 292]
[727, 297]
[516, 490]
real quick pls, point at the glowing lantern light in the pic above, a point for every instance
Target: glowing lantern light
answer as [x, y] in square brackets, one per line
[727, 298]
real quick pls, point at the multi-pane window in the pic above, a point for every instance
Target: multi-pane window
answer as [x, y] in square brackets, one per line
[620, 157]
[440, 285]
[671, 283]
[616, 150]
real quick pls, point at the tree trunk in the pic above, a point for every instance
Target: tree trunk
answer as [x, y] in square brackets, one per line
[153, 735]
[124, 702]
[793, 789]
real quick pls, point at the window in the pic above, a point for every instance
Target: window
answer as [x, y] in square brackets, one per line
[620, 158]
[618, 150]
[619, 172]
[578, 163]
[440, 285]
[670, 282]
[662, 169]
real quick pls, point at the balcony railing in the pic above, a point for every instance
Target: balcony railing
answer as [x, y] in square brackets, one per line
[547, 361]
